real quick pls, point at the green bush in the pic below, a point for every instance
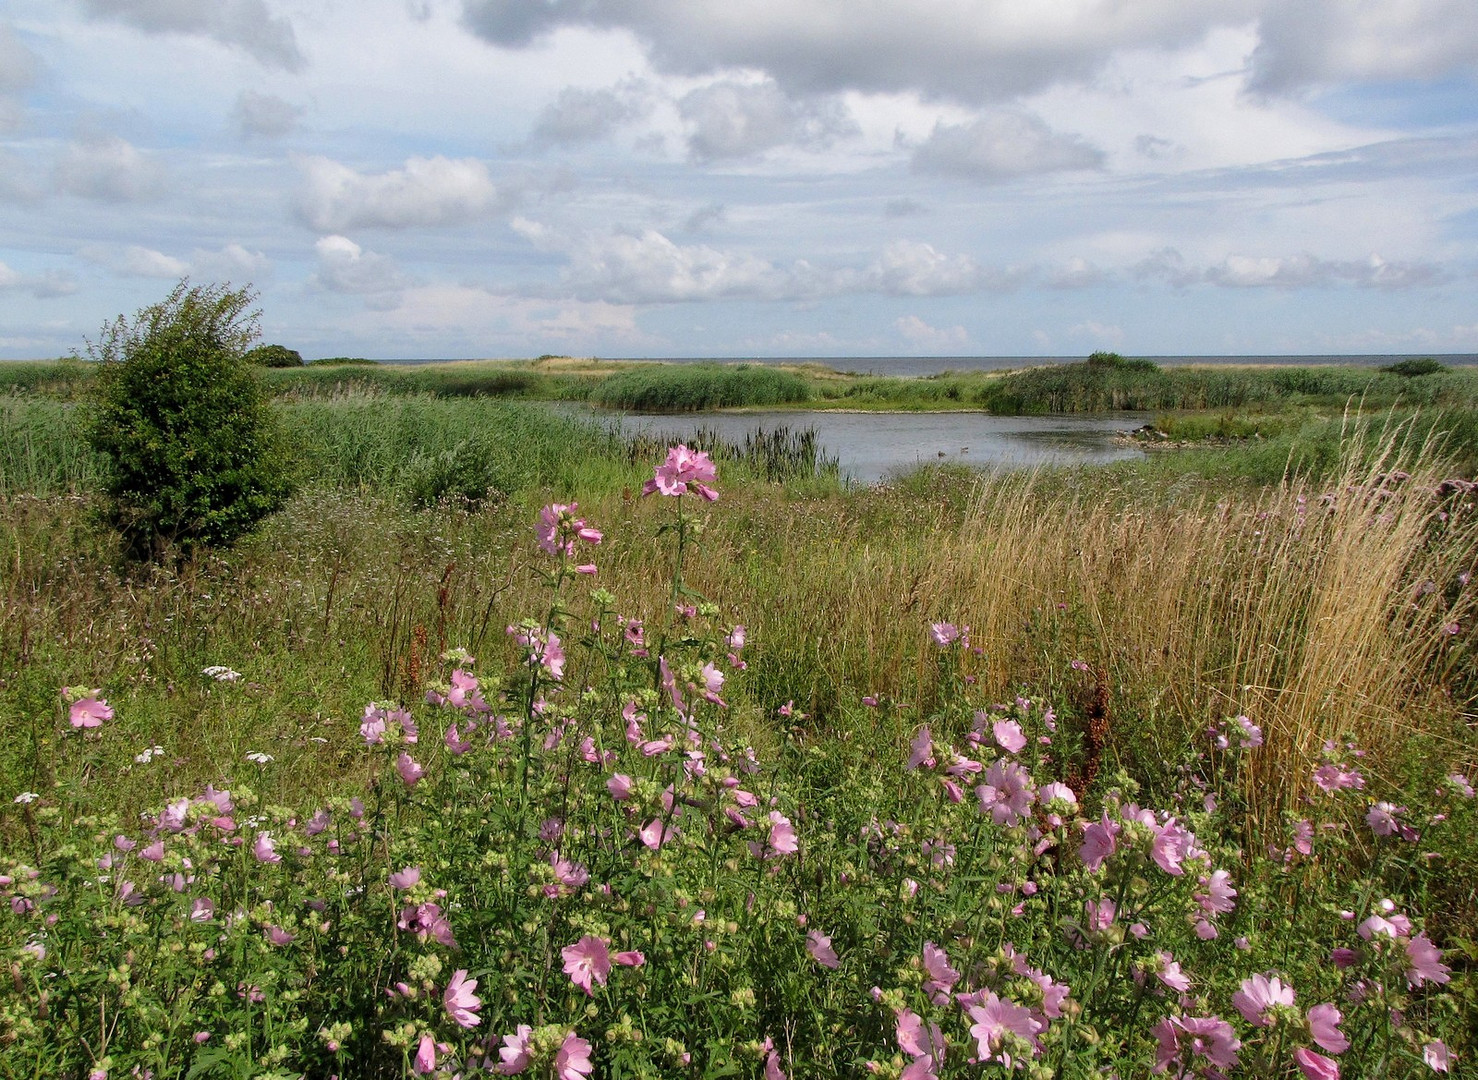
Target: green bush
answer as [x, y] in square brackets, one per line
[186, 434]
[275, 356]
[339, 361]
[668, 388]
[1102, 359]
[1410, 368]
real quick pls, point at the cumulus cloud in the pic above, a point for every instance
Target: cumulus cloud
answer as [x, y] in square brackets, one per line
[926, 338]
[733, 119]
[108, 169]
[243, 24]
[645, 267]
[264, 114]
[426, 192]
[1002, 145]
[135, 260]
[345, 267]
[232, 262]
[969, 50]
[578, 115]
[1322, 41]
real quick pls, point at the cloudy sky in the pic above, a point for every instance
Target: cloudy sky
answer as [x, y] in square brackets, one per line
[445, 178]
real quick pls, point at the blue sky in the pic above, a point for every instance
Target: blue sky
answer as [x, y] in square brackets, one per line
[450, 178]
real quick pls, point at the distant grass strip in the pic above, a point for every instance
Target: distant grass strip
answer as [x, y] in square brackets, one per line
[672, 388]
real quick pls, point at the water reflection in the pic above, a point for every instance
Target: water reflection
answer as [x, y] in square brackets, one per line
[872, 445]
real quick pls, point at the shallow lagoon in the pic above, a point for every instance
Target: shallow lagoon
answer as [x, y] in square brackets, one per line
[870, 445]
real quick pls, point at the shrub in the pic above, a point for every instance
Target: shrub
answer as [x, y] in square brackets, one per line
[184, 429]
[1411, 368]
[338, 361]
[275, 356]
[693, 387]
[1102, 359]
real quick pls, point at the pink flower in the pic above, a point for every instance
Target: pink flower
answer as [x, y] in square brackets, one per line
[460, 1002]
[1437, 1056]
[924, 1044]
[819, 946]
[265, 850]
[1382, 818]
[1323, 1023]
[944, 634]
[1258, 996]
[90, 712]
[1172, 843]
[654, 834]
[1098, 842]
[1008, 736]
[278, 936]
[1315, 1066]
[410, 770]
[922, 748]
[559, 528]
[713, 682]
[782, 839]
[996, 1017]
[772, 1067]
[515, 1051]
[1303, 837]
[632, 958]
[1184, 1038]
[568, 874]
[1007, 793]
[1219, 897]
[1170, 974]
[1251, 733]
[941, 977]
[619, 785]
[682, 469]
[1424, 962]
[587, 961]
[404, 879]
[572, 1062]
[425, 1055]
[154, 852]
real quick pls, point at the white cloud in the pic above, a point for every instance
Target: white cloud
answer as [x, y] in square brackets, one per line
[930, 339]
[732, 119]
[578, 115]
[1001, 145]
[969, 50]
[1326, 41]
[345, 267]
[911, 268]
[1077, 273]
[134, 260]
[108, 169]
[647, 267]
[264, 114]
[245, 24]
[231, 262]
[1305, 270]
[426, 192]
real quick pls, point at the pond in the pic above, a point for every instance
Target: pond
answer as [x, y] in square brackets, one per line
[872, 445]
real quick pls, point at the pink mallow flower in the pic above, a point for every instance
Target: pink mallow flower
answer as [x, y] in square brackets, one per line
[924, 1043]
[1257, 997]
[425, 1061]
[515, 1051]
[921, 749]
[1007, 794]
[1099, 842]
[405, 879]
[572, 1061]
[265, 850]
[941, 977]
[1183, 1039]
[1323, 1021]
[1424, 962]
[944, 634]
[460, 1002]
[1172, 843]
[819, 946]
[1008, 736]
[587, 961]
[995, 1018]
[90, 712]
[683, 469]
[1315, 1066]
[410, 770]
[1437, 1057]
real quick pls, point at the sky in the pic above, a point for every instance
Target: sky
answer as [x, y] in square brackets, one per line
[504, 178]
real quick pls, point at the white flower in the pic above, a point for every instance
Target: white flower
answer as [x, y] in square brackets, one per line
[27, 797]
[149, 754]
[221, 674]
[259, 757]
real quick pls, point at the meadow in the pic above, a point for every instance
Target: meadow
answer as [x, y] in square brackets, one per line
[1164, 768]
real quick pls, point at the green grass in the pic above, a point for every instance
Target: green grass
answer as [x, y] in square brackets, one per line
[671, 388]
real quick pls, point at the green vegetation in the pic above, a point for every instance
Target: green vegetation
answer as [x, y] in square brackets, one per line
[187, 440]
[1412, 368]
[274, 356]
[343, 361]
[671, 388]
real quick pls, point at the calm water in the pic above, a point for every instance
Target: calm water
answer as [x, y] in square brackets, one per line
[872, 445]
